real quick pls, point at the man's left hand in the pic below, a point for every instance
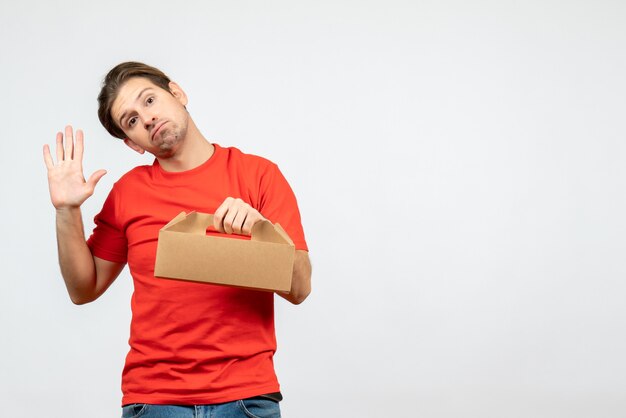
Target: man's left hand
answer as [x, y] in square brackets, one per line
[235, 216]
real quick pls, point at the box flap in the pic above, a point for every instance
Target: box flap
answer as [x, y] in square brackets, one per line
[177, 219]
[283, 233]
[193, 223]
[266, 232]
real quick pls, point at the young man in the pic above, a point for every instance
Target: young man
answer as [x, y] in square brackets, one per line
[195, 348]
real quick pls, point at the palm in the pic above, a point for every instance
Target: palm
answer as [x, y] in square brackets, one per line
[68, 187]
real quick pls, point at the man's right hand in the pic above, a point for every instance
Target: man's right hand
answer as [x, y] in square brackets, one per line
[68, 188]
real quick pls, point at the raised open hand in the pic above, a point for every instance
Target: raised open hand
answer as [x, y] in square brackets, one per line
[66, 181]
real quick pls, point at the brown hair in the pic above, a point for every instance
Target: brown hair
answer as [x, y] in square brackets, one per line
[111, 86]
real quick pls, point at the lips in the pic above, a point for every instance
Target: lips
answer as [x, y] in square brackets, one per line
[157, 129]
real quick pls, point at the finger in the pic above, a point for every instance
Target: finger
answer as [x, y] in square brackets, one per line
[69, 142]
[251, 220]
[60, 152]
[218, 217]
[229, 218]
[95, 178]
[47, 158]
[80, 146]
[239, 222]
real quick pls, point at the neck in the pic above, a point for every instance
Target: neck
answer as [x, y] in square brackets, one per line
[194, 151]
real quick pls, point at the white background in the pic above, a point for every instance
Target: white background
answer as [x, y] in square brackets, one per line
[459, 168]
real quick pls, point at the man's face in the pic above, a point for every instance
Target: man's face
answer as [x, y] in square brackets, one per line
[153, 119]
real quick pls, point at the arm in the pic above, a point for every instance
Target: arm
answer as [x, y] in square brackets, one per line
[86, 277]
[301, 279]
[236, 216]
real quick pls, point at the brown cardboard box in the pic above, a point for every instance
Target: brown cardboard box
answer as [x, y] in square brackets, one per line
[185, 251]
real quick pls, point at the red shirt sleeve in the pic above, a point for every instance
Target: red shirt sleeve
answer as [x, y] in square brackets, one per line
[278, 204]
[107, 240]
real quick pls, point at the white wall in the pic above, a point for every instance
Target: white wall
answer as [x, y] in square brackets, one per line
[460, 172]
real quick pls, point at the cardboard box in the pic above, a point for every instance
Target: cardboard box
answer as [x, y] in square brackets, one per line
[186, 252]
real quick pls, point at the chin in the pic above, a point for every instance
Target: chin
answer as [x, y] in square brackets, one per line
[167, 151]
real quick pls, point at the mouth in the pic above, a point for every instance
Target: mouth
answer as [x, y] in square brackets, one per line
[157, 129]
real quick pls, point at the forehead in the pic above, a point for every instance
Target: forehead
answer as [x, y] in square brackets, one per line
[128, 93]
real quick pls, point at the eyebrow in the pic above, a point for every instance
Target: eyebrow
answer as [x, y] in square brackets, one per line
[138, 96]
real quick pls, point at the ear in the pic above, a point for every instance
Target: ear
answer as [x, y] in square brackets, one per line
[178, 92]
[129, 142]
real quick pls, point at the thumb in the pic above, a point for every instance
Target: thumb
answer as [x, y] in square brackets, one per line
[95, 178]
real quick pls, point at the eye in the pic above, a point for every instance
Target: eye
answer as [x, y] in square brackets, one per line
[132, 121]
[150, 100]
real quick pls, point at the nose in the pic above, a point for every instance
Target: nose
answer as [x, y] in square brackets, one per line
[149, 121]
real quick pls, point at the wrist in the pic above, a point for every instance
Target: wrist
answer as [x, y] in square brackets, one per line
[67, 210]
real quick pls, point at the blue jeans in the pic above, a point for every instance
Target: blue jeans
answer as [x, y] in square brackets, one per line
[246, 408]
